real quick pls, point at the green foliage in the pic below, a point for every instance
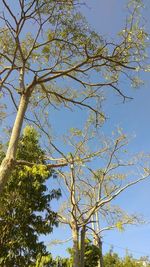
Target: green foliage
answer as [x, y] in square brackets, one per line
[44, 261]
[25, 210]
[91, 254]
[48, 261]
[113, 260]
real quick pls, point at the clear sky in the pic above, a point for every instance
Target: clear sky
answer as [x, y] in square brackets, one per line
[108, 17]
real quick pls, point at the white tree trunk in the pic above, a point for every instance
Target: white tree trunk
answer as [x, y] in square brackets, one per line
[8, 162]
[76, 256]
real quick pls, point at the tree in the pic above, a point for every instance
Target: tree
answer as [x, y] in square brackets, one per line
[91, 254]
[90, 190]
[58, 54]
[108, 218]
[46, 261]
[25, 210]
[112, 259]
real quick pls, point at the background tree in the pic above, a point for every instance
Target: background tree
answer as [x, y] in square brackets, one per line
[44, 261]
[91, 254]
[60, 62]
[91, 259]
[90, 191]
[25, 210]
[48, 261]
[112, 259]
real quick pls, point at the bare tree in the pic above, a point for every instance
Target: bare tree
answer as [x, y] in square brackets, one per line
[47, 49]
[91, 190]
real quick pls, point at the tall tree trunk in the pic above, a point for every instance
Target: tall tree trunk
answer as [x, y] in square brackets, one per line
[98, 243]
[8, 162]
[75, 236]
[97, 239]
[82, 253]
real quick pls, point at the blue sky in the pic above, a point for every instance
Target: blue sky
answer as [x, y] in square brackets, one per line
[107, 17]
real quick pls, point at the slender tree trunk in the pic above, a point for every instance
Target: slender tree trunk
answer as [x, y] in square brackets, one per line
[82, 253]
[76, 256]
[9, 160]
[98, 243]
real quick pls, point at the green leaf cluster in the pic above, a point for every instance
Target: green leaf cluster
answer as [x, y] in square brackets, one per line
[112, 259]
[25, 210]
